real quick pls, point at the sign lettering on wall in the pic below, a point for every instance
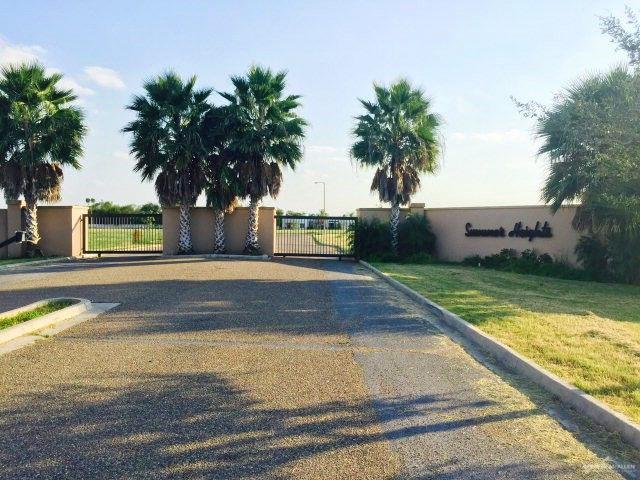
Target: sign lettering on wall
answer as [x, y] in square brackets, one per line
[539, 231]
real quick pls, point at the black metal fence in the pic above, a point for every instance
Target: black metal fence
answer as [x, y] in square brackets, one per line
[315, 236]
[122, 233]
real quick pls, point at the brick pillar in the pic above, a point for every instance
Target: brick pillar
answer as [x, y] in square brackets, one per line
[14, 223]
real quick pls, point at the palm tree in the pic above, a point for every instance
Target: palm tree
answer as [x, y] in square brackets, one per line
[222, 190]
[591, 136]
[265, 135]
[398, 135]
[40, 132]
[167, 142]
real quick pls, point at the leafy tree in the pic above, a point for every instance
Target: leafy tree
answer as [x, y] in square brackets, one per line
[628, 39]
[41, 131]
[167, 142]
[591, 136]
[265, 134]
[107, 207]
[398, 135]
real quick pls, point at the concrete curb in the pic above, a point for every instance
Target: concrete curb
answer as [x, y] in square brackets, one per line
[567, 393]
[39, 323]
[11, 266]
[224, 256]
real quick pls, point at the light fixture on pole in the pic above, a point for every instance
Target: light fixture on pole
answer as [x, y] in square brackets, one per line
[324, 196]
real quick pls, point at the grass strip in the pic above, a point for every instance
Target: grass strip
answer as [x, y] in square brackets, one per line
[11, 261]
[585, 332]
[50, 307]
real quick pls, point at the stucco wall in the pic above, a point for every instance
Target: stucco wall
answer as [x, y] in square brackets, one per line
[60, 229]
[453, 245]
[202, 229]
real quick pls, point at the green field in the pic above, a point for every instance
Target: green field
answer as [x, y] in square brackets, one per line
[125, 239]
[585, 332]
[332, 238]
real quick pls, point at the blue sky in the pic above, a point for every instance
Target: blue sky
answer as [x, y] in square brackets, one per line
[469, 56]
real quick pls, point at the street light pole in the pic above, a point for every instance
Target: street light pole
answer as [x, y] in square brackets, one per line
[324, 196]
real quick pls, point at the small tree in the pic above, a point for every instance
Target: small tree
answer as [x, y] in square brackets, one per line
[398, 135]
[40, 132]
[167, 142]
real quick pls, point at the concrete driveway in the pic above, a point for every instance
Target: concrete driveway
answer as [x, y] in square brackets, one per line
[283, 369]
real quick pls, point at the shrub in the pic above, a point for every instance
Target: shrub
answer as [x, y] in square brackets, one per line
[528, 262]
[415, 237]
[371, 240]
[593, 256]
[472, 261]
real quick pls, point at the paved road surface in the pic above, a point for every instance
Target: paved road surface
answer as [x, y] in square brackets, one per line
[283, 369]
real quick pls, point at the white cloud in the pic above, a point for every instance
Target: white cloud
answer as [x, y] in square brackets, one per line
[71, 83]
[105, 77]
[11, 53]
[497, 136]
[68, 82]
[16, 53]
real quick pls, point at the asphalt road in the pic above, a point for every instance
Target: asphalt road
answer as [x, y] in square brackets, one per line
[282, 369]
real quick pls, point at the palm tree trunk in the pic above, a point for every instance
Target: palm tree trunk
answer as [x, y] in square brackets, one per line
[393, 224]
[185, 246]
[218, 232]
[251, 245]
[31, 229]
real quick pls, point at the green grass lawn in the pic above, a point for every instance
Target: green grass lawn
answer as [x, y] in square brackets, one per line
[125, 239]
[332, 238]
[585, 332]
[7, 322]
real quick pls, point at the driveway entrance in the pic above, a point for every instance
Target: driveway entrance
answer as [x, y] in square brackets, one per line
[282, 369]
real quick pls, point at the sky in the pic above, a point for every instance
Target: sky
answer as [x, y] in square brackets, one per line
[469, 57]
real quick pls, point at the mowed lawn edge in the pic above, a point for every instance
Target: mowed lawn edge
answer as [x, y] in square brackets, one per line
[50, 307]
[585, 332]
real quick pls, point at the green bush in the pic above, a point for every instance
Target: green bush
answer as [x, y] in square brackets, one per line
[415, 237]
[594, 257]
[528, 262]
[371, 240]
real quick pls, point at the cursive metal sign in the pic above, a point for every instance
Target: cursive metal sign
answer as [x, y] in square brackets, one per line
[539, 231]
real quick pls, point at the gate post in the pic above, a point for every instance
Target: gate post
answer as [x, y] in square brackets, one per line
[14, 223]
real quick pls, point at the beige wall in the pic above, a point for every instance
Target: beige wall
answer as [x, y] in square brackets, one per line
[452, 244]
[60, 228]
[235, 226]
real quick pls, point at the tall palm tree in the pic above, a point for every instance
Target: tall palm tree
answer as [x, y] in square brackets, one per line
[167, 142]
[222, 190]
[265, 135]
[40, 132]
[398, 135]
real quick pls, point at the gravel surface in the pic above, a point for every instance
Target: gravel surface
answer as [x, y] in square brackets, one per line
[283, 369]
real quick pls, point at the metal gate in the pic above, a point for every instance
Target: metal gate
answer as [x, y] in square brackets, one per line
[122, 233]
[309, 236]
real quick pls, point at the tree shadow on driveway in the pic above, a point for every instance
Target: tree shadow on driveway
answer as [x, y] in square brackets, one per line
[189, 424]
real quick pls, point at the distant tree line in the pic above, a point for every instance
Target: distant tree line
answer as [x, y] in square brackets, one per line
[106, 207]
